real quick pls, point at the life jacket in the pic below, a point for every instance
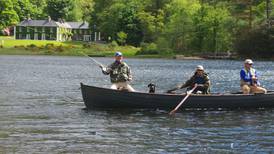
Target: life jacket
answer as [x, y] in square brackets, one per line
[251, 72]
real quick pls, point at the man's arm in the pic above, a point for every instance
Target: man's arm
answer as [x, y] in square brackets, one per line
[106, 70]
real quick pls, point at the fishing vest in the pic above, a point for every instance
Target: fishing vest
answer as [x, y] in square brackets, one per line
[119, 72]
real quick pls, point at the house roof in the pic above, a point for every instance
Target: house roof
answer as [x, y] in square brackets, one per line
[79, 25]
[43, 23]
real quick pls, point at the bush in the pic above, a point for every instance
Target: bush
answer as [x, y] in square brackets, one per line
[60, 48]
[148, 49]
[113, 45]
[31, 46]
[256, 43]
[19, 46]
[89, 45]
[1, 46]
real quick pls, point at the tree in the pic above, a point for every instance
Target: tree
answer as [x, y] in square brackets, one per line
[8, 16]
[86, 9]
[119, 17]
[58, 9]
[213, 28]
[39, 9]
[24, 9]
[256, 43]
[179, 29]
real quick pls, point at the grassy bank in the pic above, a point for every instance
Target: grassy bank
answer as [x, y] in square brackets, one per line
[9, 46]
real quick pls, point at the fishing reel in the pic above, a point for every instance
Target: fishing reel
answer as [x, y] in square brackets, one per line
[151, 87]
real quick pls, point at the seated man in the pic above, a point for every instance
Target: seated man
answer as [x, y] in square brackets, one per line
[249, 79]
[120, 73]
[200, 78]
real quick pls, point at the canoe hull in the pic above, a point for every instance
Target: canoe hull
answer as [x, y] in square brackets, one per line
[95, 97]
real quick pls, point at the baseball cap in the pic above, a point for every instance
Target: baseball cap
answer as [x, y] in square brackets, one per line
[118, 54]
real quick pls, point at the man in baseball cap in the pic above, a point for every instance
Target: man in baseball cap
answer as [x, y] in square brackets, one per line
[120, 73]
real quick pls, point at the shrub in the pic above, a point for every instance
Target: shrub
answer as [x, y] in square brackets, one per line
[121, 37]
[19, 46]
[31, 46]
[148, 49]
[256, 43]
[113, 45]
[89, 45]
[60, 48]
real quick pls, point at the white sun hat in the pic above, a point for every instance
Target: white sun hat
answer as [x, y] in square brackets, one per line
[248, 61]
[200, 67]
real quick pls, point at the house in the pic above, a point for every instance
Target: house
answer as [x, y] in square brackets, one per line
[42, 30]
[80, 31]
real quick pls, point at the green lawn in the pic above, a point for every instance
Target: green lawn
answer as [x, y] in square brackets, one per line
[9, 46]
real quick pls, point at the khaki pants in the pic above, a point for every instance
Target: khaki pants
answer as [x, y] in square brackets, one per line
[122, 85]
[247, 89]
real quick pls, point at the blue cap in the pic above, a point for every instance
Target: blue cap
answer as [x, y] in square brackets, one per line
[118, 54]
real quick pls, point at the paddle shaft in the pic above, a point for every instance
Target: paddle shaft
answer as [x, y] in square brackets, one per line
[188, 94]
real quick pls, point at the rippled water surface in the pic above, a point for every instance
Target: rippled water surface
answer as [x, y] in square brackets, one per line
[41, 110]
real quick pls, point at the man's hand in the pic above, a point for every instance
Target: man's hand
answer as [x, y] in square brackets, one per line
[101, 66]
[129, 79]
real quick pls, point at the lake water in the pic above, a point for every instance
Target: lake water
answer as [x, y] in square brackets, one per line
[42, 111]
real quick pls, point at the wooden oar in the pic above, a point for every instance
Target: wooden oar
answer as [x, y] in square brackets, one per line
[188, 94]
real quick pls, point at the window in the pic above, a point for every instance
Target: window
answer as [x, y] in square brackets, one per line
[28, 36]
[35, 36]
[87, 38]
[43, 36]
[20, 29]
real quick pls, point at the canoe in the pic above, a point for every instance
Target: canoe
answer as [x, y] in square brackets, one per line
[96, 97]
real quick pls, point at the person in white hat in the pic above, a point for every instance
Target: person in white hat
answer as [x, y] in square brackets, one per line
[200, 78]
[120, 73]
[249, 79]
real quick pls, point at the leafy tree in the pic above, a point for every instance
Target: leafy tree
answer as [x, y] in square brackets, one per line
[122, 17]
[75, 12]
[121, 38]
[179, 29]
[39, 9]
[256, 43]
[59, 9]
[8, 16]
[24, 9]
[213, 28]
[86, 9]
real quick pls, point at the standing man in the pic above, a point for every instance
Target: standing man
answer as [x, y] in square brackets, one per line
[200, 78]
[120, 73]
[249, 79]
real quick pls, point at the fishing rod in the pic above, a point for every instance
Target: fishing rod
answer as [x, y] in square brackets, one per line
[95, 61]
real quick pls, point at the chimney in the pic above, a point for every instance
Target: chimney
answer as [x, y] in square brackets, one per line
[49, 18]
[28, 18]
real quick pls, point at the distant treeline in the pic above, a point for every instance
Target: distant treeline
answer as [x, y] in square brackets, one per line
[163, 26]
